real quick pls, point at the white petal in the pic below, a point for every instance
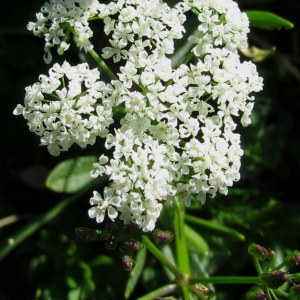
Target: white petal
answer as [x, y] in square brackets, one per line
[112, 213]
[115, 201]
[100, 216]
[93, 212]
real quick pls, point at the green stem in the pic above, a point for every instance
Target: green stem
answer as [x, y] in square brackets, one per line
[267, 293]
[273, 294]
[159, 255]
[227, 280]
[282, 293]
[102, 64]
[257, 266]
[294, 278]
[160, 292]
[109, 72]
[182, 253]
[179, 233]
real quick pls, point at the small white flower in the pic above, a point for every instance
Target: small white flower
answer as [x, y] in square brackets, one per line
[53, 17]
[98, 168]
[107, 203]
[147, 78]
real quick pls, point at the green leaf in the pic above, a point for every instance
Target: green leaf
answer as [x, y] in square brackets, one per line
[135, 273]
[71, 175]
[27, 230]
[195, 241]
[267, 20]
[215, 227]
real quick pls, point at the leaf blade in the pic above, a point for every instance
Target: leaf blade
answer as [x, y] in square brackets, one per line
[71, 175]
[267, 20]
[195, 241]
[136, 273]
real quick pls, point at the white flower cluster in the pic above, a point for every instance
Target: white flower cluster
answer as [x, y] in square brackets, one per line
[62, 108]
[58, 18]
[177, 131]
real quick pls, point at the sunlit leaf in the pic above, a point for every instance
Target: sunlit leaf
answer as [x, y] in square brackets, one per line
[267, 20]
[71, 175]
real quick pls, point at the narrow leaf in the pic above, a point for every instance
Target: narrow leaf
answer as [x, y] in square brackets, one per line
[215, 227]
[135, 274]
[27, 230]
[267, 20]
[195, 241]
[71, 175]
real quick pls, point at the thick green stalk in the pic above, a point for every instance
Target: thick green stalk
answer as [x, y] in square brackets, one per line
[180, 240]
[182, 253]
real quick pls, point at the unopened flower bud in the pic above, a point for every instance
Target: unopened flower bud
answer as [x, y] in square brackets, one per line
[260, 252]
[296, 259]
[164, 235]
[274, 279]
[260, 296]
[256, 293]
[134, 245]
[297, 289]
[127, 248]
[128, 262]
[292, 260]
[294, 292]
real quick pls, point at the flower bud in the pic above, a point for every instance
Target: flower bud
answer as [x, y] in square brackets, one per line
[296, 260]
[294, 292]
[292, 260]
[274, 279]
[134, 245]
[256, 293]
[297, 289]
[164, 235]
[128, 262]
[260, 252]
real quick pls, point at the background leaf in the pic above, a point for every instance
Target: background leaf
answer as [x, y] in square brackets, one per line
[267, 20]
[136, 273]
[71, 175]
[195, 241]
